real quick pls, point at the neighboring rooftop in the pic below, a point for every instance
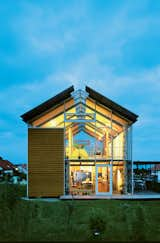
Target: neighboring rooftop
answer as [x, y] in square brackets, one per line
[6, 165]
[146, 162]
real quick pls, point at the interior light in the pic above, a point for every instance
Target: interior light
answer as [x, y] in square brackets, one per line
[99, 138]
[52, 123]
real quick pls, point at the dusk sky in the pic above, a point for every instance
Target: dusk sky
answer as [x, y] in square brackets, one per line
[111, 46]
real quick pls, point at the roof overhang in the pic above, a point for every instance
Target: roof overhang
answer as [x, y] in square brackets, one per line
[111, 105]
[29, 115]
[67, 93]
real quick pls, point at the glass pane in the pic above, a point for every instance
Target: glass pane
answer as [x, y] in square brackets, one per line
[82, 180]
[104, 179]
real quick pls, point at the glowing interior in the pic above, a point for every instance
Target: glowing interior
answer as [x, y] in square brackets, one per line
[93, 136]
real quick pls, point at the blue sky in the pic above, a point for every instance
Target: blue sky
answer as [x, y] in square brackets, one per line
[111, 46]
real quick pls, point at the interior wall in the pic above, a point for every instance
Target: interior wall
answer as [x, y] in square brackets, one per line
[118, 179]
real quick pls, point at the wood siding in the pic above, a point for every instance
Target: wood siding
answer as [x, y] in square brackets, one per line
[53, 113]
[45, 162]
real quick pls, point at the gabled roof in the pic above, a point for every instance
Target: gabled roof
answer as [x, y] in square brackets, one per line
[6, 165]
[51, 103]
[47, 104]
[24, 166]
[111, 105]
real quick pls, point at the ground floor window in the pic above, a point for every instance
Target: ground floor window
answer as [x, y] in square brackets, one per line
[82, 179]
[100, 178]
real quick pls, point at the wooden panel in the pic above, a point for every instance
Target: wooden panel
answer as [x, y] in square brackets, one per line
[45, 162]
[53, 113]
[105, 112]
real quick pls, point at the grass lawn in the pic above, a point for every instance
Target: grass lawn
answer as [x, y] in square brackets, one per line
[75, 220]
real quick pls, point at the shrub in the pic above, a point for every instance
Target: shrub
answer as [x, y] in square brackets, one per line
[9, 195]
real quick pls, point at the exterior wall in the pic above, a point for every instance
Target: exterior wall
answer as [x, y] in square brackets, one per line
[45, 162]
[46, 147]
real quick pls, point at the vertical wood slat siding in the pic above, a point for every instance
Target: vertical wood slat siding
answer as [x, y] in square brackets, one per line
[45, 162]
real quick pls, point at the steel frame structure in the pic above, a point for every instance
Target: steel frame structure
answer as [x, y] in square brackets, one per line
[79, 98]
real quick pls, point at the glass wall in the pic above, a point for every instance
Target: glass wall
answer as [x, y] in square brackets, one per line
[118, 177]
[82, 179]
[94, 133]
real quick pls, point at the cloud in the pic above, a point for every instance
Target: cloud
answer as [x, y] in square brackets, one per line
[142, 89]
[43, 30]
[14, 146]
[131, 88]
[77, 44]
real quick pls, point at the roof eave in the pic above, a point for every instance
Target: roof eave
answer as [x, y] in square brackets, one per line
[112, 105]
[29, 115]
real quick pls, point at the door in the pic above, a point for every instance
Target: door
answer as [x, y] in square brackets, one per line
[103, 180]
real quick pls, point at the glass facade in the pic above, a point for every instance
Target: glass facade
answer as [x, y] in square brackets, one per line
[94, 135]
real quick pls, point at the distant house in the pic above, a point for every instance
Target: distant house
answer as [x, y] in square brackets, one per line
[156, 171]
[22, 168]
[12, 173]
[147, 167]
[146, 175]
[6, 167]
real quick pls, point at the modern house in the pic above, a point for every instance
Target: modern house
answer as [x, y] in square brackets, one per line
[79, 142]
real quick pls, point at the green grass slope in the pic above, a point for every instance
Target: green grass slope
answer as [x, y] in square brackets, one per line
[115, 220]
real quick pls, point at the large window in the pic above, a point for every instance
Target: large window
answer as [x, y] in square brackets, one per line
[82, 180]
